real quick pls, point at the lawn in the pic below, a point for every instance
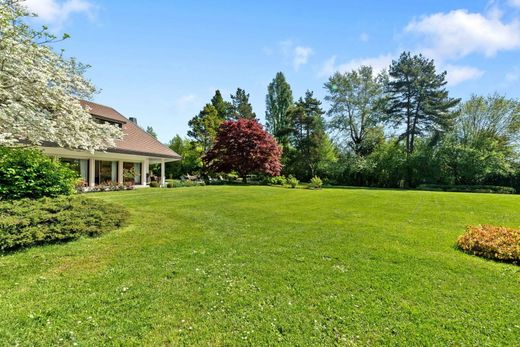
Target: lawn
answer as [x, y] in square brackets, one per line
[264, 265]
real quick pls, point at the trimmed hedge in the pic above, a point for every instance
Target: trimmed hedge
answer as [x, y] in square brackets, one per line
[26, 222]
[468, 188]
[491, 242]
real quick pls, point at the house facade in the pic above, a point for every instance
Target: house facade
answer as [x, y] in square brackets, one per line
[132, 155]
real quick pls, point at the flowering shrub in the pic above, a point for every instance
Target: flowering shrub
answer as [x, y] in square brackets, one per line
[316, 183]
[107, 187]
[26, 222]
[491, 242]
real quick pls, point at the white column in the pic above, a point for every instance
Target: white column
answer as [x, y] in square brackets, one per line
[144, 171]
[163, 174]
[91, 172]
[120, 172]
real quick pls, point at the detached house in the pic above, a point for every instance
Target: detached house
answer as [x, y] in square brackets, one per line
[137, 150]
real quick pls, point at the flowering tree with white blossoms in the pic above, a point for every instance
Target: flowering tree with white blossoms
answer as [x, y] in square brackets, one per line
[40, 89]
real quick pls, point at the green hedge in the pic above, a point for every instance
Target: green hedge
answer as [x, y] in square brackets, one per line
[468, 188]
[26, 222]
[29, 173]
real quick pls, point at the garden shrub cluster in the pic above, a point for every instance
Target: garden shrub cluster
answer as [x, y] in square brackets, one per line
[277, 181]
[316, 183]
[27, 222]
[492, 242]
[109, 187]
[183, 183]
[29, 173]
[468, 188]
[292, 181]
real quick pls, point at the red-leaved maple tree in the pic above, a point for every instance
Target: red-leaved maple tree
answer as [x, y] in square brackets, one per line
[245, 147]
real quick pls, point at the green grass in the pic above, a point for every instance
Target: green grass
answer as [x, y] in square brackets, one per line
[265, 265]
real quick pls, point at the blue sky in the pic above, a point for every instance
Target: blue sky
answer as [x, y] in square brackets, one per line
[161, 61]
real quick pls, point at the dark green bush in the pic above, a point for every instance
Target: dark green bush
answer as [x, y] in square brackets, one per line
[27, 222]
[28, 173]
[154, 184]
[468, 188]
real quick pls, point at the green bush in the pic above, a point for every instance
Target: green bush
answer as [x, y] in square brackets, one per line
[154, 184]
[27, 222]
[170, 185]
[468, 188]
[277, 181]
[292, 181]
[316, 183]
[29, 173]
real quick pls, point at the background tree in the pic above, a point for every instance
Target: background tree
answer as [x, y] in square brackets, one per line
[152, 132]
[241, 108]
[204, 127]
[357, 106]
[190, 162]
[40, 89]
[278, 100]
[310, 146]
[417, 98]
[224, 108]
[245, 147]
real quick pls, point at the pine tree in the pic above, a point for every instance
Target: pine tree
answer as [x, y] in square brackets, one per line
[278, 100]
[152, 132]
[224, 108]
[418, 101]
[241, 108]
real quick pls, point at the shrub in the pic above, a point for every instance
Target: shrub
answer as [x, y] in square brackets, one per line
[292, 181]
[468, 188]
[316, 183]
[27, 222]
[110, 187]
[170, 185]
[154, 184]
[29, 173]
[491, 242]
[277, 181]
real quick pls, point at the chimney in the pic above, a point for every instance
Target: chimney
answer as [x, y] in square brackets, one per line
[133, 120]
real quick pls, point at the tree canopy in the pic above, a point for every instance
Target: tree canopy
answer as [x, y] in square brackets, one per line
[40, 89]
[277, 101]
[240, 106]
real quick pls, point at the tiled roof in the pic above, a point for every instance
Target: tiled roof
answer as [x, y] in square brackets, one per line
[135, 139]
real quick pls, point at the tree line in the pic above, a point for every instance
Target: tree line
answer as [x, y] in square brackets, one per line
[396, 128]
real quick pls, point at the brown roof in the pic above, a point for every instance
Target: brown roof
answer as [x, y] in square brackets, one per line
[135, 139]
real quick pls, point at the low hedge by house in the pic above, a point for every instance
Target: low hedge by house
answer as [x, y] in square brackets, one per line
[491, 242]
[26, 222]
[468, 188]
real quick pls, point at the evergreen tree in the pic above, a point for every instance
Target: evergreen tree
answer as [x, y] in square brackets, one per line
[241, 108]
[204, 127]
[224, 108]
[152, 132]
[278, 100]
[418, 101]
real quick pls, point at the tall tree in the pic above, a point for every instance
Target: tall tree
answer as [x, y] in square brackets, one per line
[245, 147]
[40, 89]
[418, 101]
[357, 100]
[190, 157]
[310, 145]
[277, 101]
[151, 132]
[204, 127]
[224, 108]
[241, 108]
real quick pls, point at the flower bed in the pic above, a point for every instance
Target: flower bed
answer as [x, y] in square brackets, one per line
[487, 241]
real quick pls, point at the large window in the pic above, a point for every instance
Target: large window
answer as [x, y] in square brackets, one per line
[78, 165]
[106, 172]
[132, 172]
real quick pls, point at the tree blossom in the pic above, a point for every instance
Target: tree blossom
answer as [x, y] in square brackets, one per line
[40, 89]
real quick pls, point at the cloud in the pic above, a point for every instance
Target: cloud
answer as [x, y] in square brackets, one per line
[378, 63]
[459, 33]
[57, 13]
[458, 74]
[364, 37]
[301, 56]
[514, 3]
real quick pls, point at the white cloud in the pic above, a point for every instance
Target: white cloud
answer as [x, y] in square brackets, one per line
[514, 3]
[459, 33]
[378, 64]
[57, 12]
[458, 74]
[301, 56]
